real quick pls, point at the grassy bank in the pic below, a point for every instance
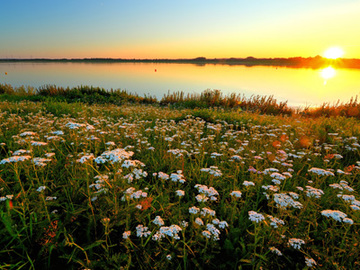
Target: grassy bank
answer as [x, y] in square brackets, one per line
[206, 99]
[140, 186]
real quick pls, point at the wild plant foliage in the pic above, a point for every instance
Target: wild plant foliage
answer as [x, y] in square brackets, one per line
[144, 187]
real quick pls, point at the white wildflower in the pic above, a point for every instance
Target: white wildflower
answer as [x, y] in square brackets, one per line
[313, 192]
[335, 214]
[296, 242]
[256, 217]
[142, 231]
[236, 194]
[206, 211]
[85, 158]
[158, 221]
[180, 193]
[283, 200]
[275, 250]
[41, 188]
[177, 177]
[213, 170]
[163, 176]
[15, 159]
[309, 262]
[207, 234]
[126, 234]
[34, 143]
[320, 171]
[278, 176]
[223, 224]
[248, 183]
[194, 210]
[199, 221]
[348, 220]
[275, 222]
[28, 133]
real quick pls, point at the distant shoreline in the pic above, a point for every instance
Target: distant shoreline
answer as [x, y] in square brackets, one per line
[294, 62]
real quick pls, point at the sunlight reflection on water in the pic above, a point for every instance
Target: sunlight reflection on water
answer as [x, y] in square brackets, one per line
[299, 86]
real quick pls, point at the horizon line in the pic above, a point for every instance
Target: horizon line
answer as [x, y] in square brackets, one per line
[194, 58]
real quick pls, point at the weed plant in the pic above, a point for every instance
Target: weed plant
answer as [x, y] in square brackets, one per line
[146, 187]
[207, 99]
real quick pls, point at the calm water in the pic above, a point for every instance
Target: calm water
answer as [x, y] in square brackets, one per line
[297, 86]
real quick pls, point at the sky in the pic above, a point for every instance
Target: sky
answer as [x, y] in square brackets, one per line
[177, 29]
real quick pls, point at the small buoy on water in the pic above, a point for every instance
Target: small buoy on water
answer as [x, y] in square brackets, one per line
[5, 73]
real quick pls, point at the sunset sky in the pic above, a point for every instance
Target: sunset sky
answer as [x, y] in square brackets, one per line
[177, 29]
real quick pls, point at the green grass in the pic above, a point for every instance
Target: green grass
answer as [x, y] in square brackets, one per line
[78, 220]
[207, 99]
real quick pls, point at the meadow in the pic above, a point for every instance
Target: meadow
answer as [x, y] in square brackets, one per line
[144, 186]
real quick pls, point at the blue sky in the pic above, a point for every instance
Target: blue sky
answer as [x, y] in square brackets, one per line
[175, 29]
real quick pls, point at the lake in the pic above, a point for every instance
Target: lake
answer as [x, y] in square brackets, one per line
[298, 86]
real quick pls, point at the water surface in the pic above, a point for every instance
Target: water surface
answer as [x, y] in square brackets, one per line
[298, 86]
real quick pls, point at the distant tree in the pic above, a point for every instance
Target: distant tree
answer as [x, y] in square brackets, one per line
[200, 59]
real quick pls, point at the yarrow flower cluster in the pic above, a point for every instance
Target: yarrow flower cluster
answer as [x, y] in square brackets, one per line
[142, 231]
[212, 232]
[310, 262]
[34, 143]
[162, 175]
[178, 177]
[135, 174]
[320, 171]
[213, 170]
[126, 234]
[271, 188]
[276, 251]
[199, 221]
[248, 183]
[28, 133]
[15, 159]
[205, 193]
[337, 215]
[180, 193]
[236, 194]
[284, 200]
[41, 188]
[206, 211]
[194, 210]
[296, 242]
[73, 125]
[256, 217]
[177, 152]
[313, 192]
[117, 155]
[132, 163]
[277, 176]
[85, 158]
[275, 222]
[158, 221]
[343, 185]
[171, 231]
[132, 194]
[40, 161]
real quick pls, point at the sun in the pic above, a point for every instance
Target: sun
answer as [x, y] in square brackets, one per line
[333, 53]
